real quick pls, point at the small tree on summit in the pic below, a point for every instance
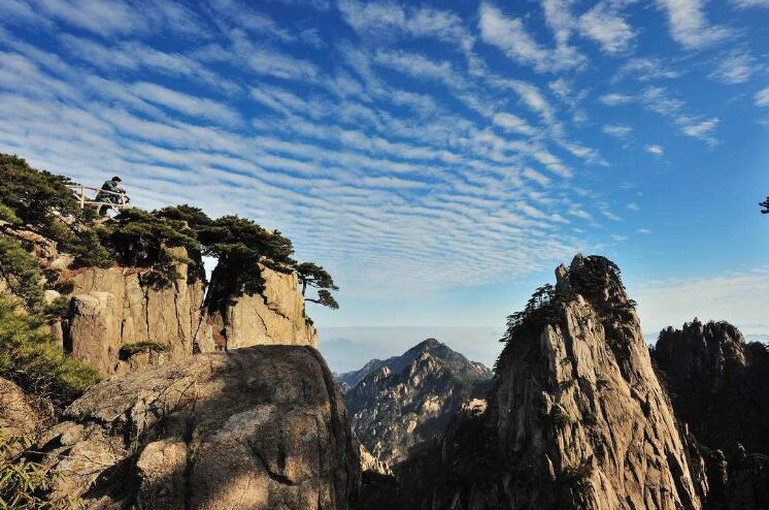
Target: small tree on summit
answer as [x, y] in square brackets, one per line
[765, 205]
[313, 275]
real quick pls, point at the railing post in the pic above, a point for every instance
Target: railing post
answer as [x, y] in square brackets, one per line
[82, 197]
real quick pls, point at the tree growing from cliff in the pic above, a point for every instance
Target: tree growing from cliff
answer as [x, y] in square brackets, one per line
[241, 246]
[143, 239]
[765, 206]
[313, 275]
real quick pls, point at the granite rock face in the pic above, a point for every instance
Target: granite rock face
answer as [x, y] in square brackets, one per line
[577, 418]
[274, 317]
[260, 428]
[411, 398]
[719, 384]
[113, 307]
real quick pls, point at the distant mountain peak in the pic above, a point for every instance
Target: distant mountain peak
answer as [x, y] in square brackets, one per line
[438, 349]
[410, 398]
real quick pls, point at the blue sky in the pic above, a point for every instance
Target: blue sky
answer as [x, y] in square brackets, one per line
[440, 159]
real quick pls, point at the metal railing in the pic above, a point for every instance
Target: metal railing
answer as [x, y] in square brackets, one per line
[80, 193]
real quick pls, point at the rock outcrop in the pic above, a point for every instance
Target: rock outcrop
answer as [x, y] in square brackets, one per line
[115, 307]
[274, 317]
[576, 420]
[20, 416]
[258, 428]
[398, 363]
[709, 368]
[719, 386]
[411, 398]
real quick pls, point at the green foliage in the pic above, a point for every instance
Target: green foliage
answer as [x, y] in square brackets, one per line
[129, 350]
[559, 417]
[240, 245]
[602, 384]
[90, 252]
[576, 478]
[7, 214]
[140, 238]
[24, 484]
[313, 275]
[21, 271]
[194, 217]
[42, 202]
[29, 356]
[57, 308]
[34, 196]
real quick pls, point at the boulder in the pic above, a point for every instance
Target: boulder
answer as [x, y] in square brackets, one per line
[18, 417]
[258, 428]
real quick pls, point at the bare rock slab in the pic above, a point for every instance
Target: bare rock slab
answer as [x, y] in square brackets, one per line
[256, 428]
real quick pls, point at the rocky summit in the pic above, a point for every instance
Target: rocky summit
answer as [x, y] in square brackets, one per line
[408, 399]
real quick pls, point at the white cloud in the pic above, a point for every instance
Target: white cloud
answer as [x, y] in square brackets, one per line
[185, 103]
[419, 66]
[603, 24]
[750, 3]
[645, 69]
[655, 149]
[734, 68]
[618, 130]
[511, 36]
[607, 213]
[614, 99]
[281, 65]
[762, 97]
[633, 206]
[689, 25]
[619, 238]
[700, 128]
[580, 213]
[739, 298]
[536, 177]
[374, 20]
[644, 231]
[513, 123]
[530, 95]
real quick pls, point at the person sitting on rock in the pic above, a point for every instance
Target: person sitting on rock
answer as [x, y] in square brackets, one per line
[111, 193]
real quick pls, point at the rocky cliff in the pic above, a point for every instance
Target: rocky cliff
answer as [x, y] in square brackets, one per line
[111, 310]
[719, 386]
[274, 317]
[577, 418]
[260, 428]
[709, 368]
[409, 399]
